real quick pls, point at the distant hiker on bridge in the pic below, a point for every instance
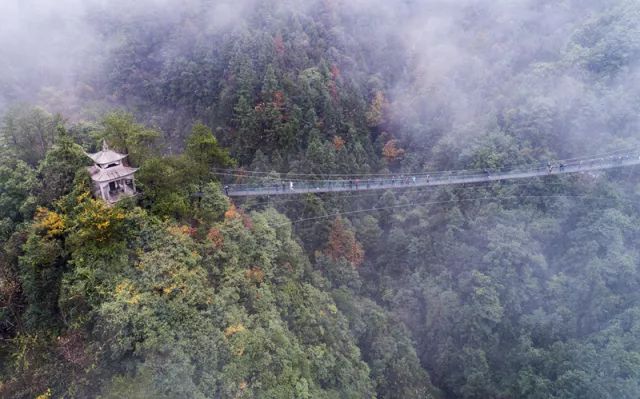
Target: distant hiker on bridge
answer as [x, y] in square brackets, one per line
[226, 190]
[428, 177]
[357, 182]
[414, 179]
[290, 185]
[562, 167]
[549, 166]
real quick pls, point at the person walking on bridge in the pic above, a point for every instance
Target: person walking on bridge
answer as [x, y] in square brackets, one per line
[290, 185]
[226, 190]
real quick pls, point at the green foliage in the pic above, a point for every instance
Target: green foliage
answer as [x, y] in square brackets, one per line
[28, 133]
[192, 295]
[58, 169]
[608, 43]
[17, 203]
[213, 204]
[166, 183]
[41, 268]
[123, 134]
[203, 150]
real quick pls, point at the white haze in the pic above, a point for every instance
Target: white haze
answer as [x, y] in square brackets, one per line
[467, 60]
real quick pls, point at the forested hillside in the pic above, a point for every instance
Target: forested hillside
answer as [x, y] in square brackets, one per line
[526, 289]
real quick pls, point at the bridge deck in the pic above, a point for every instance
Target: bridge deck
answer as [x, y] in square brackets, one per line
[283, 187]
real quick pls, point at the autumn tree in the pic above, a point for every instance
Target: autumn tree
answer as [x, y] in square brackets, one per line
[342, 244]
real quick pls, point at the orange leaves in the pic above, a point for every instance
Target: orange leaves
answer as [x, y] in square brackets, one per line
[338, 143]
[231, 213]
[234, 213]
[255, 275]
[278, 99]
[50, 221]
[215, 236]
[391, 152]
[343, 244]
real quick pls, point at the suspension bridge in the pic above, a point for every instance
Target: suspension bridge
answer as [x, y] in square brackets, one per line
[267, 185]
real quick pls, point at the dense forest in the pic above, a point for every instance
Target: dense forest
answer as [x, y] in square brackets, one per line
[527, 289]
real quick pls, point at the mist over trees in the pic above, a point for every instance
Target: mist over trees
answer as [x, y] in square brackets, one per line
[527, 290]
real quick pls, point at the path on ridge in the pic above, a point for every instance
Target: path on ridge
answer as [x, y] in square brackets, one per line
[296, 187]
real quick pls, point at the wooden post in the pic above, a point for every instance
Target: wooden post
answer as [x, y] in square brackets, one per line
[102, 192]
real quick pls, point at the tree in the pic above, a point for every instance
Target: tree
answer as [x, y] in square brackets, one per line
[122, 133]
[342, 244]
[58, 169]
[18, 182]
[28, 133]
[202, 148]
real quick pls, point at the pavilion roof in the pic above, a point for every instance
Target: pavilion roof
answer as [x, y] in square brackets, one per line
[106, 156]
[110, 174]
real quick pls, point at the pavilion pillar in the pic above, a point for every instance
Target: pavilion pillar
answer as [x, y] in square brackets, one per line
[103, 193]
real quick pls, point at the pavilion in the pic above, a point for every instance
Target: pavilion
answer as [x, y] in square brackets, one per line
[112, 180]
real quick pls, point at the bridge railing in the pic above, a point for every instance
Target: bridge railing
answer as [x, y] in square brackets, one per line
[273, 185]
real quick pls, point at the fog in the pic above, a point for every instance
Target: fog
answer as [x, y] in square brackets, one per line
[523, 289]
[452, 67]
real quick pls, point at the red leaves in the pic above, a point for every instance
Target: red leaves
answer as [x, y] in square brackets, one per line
[278, 44]
[335, 72]
[215, 236]
[338, 143]
[342, 244]
[71, 347]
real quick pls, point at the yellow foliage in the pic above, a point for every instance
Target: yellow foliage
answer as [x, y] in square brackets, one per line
[50, 221]
[45, 395]
[97, 220]
[375, 114]
[170, 288]
[391, 152]
[80, 198]
[183, 230]
[233, 329]
[126, 289]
